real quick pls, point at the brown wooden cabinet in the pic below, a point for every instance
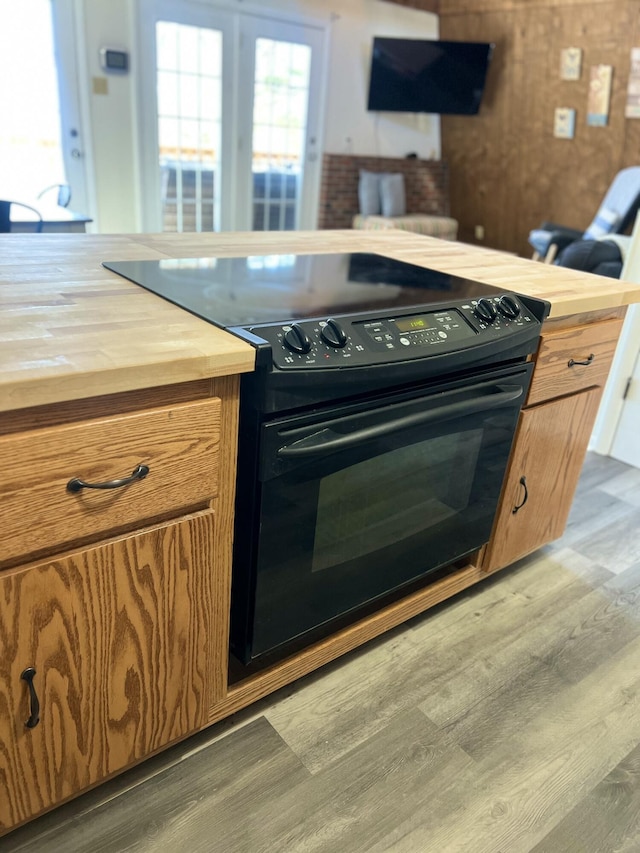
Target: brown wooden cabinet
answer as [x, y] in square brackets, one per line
[118, 637]
[118, 598]
[551, 441]
[549, 450]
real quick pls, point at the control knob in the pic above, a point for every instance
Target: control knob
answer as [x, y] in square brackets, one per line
[333, 334]
[296, 339]
[508, 307]
[485, 310]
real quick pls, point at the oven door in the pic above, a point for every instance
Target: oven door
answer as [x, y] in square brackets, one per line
[361, 503]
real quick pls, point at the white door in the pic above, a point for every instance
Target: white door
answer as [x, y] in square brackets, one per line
[617, 428]
[231, 111]
[41, 140]
[626, 440]
[186, 126]
[280, 88]
[72, 142]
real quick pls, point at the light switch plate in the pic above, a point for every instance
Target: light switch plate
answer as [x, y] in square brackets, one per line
[100, 85]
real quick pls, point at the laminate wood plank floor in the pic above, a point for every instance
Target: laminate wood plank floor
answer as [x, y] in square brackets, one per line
[506, 719]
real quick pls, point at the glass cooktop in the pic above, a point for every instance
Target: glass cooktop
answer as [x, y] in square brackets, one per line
[247, 291]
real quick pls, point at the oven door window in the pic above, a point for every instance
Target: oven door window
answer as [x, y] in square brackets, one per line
[402, 493]
[355, 508]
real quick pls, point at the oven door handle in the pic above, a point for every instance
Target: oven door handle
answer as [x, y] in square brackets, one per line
[327, 441]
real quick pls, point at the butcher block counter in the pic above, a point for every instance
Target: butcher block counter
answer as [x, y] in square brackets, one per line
[70, 329]
[118, 442]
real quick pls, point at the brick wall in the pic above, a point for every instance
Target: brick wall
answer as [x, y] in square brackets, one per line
[426, 186]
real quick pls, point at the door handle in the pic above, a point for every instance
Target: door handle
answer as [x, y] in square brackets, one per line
[326, 440]
[584, 363]
[77, 485]
[523, 483]
[34, 716]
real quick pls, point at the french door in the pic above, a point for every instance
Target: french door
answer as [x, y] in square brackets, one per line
[77, 165]
[232, 107]
[278, 133]
[191, 109]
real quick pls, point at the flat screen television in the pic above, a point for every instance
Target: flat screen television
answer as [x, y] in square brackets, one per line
[420, 76]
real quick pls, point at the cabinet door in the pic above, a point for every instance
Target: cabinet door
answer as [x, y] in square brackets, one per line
[549, 449]
[118, 635]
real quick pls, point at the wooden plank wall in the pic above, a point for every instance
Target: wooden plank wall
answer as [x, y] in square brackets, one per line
[423, 5]
[507, 171]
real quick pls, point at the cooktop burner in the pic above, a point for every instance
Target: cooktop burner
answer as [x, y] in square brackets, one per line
[246, 291]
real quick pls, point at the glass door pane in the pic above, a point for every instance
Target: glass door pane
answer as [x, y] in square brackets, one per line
[278, 124]
[280, 106]
[189, 89]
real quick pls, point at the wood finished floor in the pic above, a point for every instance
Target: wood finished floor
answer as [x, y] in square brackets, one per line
[505, 720]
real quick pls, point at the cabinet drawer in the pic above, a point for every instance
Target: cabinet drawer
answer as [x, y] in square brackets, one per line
[558, 371]
[179, 444]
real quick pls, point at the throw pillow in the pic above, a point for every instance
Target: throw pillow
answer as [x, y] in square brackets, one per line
[392, 195]
[605, 222]
[369, 193]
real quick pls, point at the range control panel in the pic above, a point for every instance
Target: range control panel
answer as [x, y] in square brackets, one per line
[414, 333]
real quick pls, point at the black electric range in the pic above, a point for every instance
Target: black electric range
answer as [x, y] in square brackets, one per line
[374, 432]
[321, 323]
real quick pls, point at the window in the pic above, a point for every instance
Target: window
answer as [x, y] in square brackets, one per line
[189, 79]
[281, 91]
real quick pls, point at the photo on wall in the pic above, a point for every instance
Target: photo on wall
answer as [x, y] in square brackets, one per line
[564, 123]
[599, 95]
[570, 63]
[632, 108]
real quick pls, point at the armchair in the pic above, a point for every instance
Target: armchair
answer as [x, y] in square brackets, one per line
[615, 214]
[602, 257]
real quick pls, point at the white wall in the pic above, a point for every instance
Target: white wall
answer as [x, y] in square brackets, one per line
[111, 116]
[348, 128]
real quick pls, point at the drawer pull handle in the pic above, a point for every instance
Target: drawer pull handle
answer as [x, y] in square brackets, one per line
[585, 363]
[34, 716]
[76, 485]
[523, 483]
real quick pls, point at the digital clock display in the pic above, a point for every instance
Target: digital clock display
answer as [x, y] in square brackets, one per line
[428, 329]
[410, 324]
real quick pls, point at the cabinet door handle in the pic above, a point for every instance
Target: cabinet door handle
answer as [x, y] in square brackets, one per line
[76, 484]
[523, 483]
[34, 717]
[584, 363]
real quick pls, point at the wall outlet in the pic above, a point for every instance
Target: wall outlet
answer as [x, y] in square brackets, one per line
[479, 232]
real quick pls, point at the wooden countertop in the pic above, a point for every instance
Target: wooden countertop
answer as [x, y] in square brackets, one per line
[70, 329]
